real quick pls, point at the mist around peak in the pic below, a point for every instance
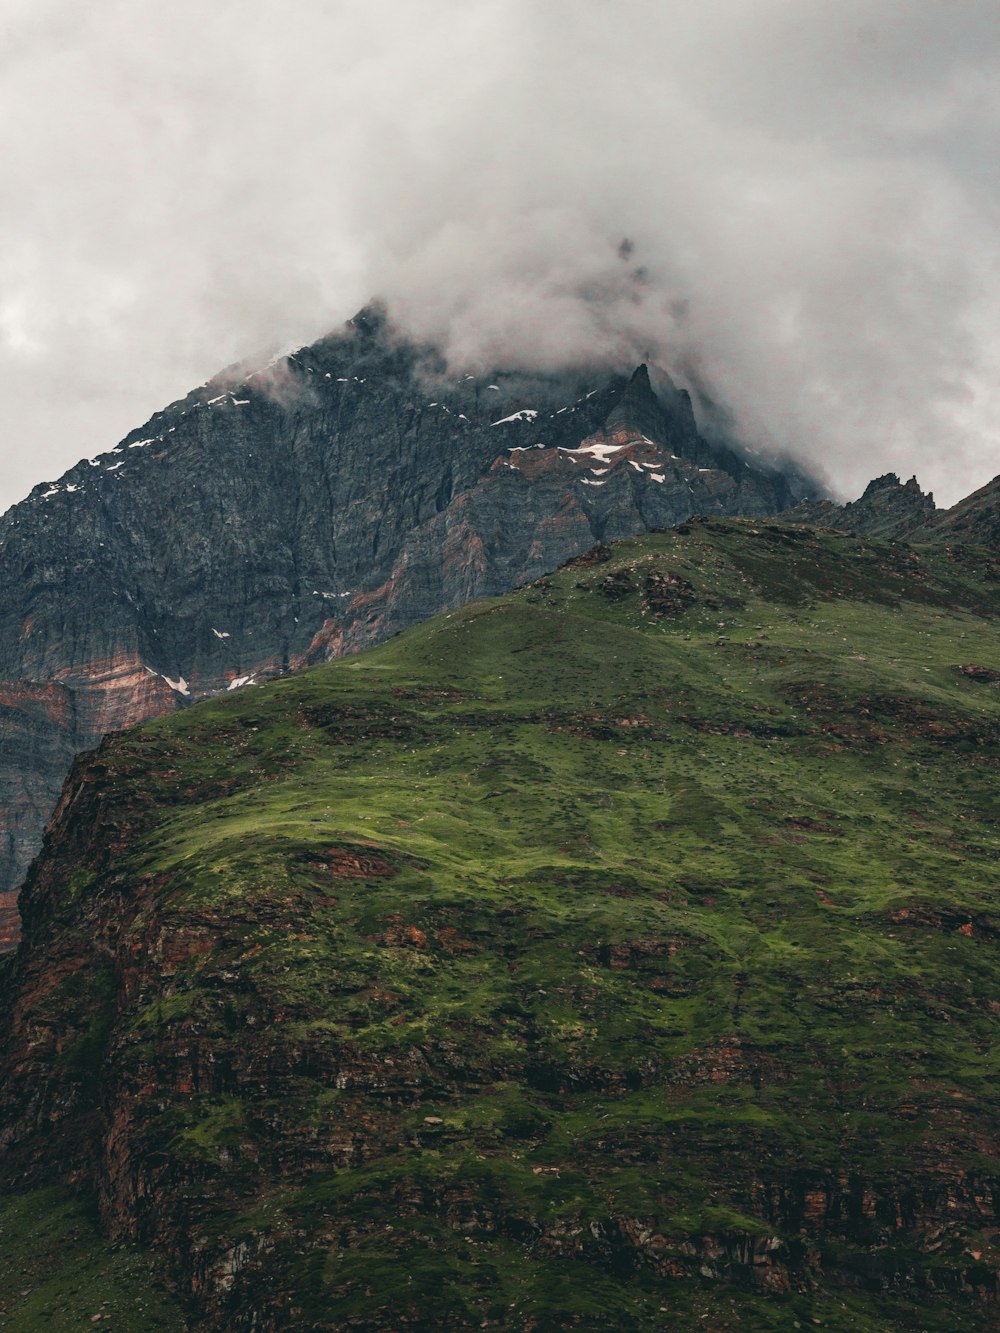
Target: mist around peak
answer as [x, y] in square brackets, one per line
[792, 209]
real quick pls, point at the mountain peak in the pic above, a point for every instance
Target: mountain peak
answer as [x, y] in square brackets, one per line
[371, 319]
[383, 486]
[888, 481]
[638, 411]
[889, 508]
[890, 484]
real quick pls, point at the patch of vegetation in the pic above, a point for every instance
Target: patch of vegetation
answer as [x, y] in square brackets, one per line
[57, 1272]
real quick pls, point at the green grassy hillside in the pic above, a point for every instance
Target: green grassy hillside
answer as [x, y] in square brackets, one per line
[59, 1274]
[618, 954]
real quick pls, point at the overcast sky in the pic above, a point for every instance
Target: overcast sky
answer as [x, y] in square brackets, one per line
[811, 188]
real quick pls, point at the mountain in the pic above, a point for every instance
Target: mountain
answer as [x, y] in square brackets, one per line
[616, 954]
[889, 508]
[974, 520]
[284, 516]
[900, 511]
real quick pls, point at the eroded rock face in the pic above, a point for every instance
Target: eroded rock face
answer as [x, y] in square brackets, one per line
[313, 508]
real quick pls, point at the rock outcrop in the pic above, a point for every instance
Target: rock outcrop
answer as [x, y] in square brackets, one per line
[889, 508]
[308, 509]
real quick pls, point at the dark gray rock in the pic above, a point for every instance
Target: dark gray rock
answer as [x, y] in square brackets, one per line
[280, 517]
[889, 508]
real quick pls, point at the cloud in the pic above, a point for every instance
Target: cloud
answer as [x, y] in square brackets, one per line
[809, 186]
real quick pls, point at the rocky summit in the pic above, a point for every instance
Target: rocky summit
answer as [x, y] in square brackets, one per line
[901, 511]
[617, 954]
[889, 508]
[307, 509]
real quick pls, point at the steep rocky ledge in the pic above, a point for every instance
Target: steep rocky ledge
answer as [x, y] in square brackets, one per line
[620, 954]
[286, 516]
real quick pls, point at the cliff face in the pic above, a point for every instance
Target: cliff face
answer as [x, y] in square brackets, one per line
[306, 510]
[618, 954]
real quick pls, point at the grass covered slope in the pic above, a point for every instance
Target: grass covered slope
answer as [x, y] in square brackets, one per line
[58, 1273]
[618, 954]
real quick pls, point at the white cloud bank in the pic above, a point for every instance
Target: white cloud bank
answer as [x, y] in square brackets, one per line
[811, 186]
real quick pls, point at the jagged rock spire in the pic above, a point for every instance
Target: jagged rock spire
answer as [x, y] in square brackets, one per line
[638, 411]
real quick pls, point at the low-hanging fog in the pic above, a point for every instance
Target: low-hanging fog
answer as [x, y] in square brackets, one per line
[809, 190]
